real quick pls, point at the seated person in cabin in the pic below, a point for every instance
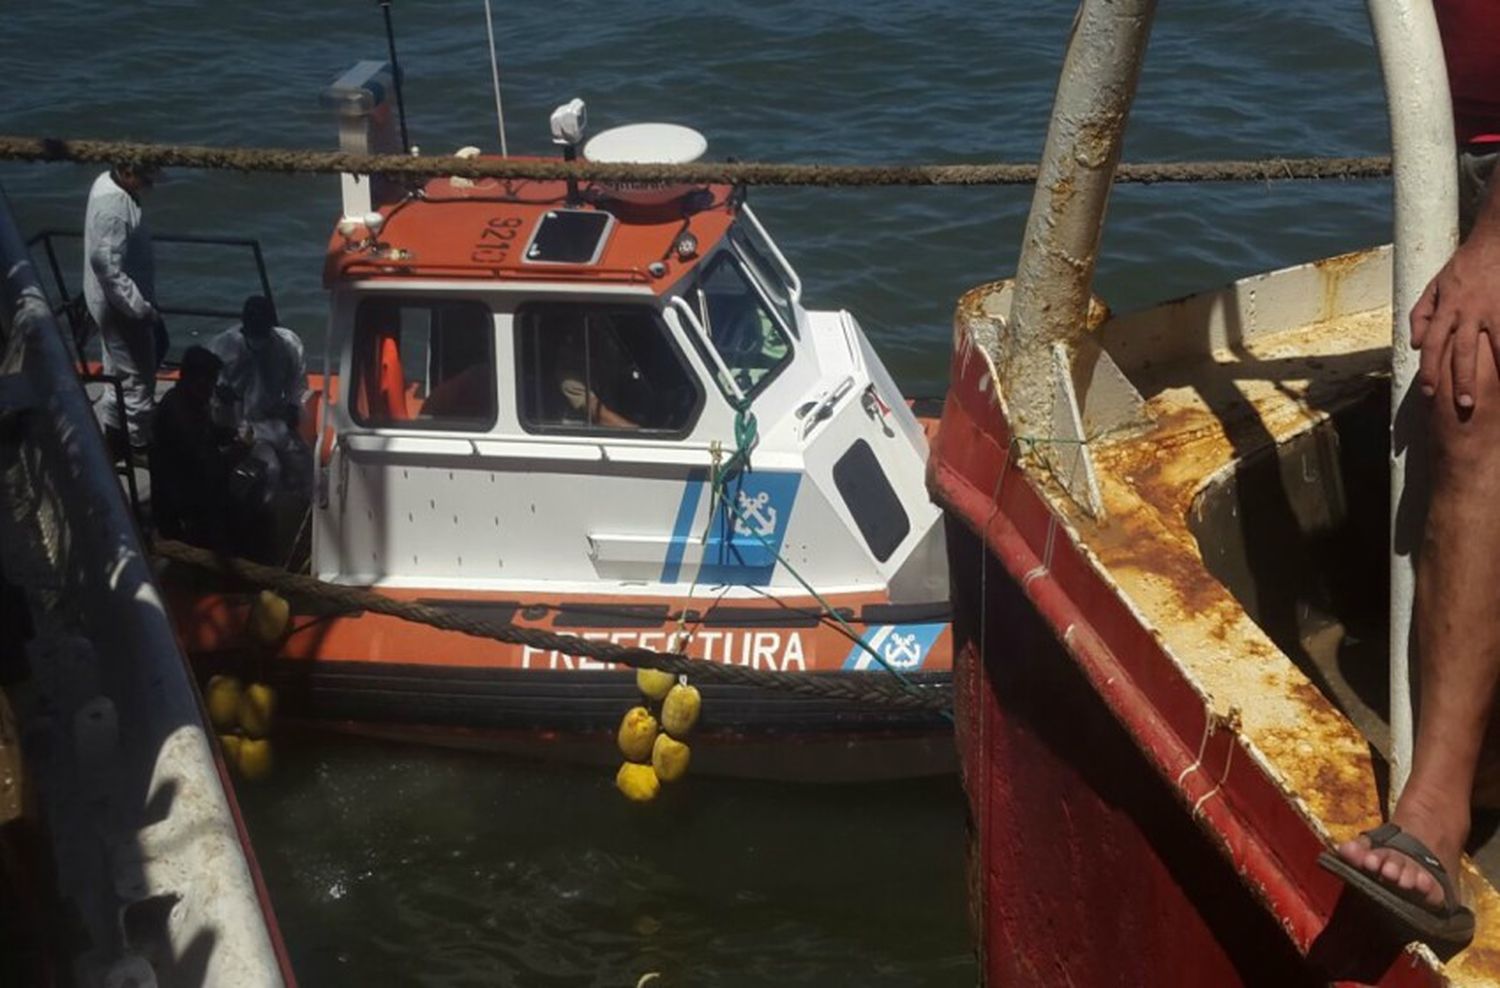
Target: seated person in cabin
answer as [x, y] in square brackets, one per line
[591, 369]
[468, 395]
[264, 376]
[191, 458]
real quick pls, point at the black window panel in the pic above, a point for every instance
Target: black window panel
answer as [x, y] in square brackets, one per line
[871, 500]
[568, 236]
[601, 368]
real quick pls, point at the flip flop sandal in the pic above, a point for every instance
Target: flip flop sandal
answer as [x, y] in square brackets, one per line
[1447, 928]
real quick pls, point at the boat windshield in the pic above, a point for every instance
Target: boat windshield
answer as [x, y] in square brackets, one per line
[760, 262]
[746, 330]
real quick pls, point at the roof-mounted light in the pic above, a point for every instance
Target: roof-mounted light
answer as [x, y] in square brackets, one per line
[569, 122]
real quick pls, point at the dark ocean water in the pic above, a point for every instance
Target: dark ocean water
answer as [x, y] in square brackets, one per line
[398, 865]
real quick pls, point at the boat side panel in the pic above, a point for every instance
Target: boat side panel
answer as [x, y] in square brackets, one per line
[786, 636]
[1088, 870]
[1250, 308]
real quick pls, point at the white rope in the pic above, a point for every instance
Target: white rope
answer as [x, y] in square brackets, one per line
[1210, 723]
[1223, 777]
[1045, 566]
[489, 27]
[1208, 730]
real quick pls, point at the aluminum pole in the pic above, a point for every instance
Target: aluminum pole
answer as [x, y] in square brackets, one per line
[1426, 231]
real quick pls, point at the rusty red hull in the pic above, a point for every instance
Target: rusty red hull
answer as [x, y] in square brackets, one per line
[1109, 844]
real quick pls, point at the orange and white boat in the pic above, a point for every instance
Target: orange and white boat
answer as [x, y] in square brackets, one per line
[606, 412]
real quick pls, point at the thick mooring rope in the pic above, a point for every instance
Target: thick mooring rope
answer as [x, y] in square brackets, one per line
[287, 161]
[864, 688]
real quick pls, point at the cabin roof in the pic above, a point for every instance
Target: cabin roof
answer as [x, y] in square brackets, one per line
[482, 231]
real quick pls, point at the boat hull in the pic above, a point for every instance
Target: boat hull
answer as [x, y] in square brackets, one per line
[380, 676]
[1120, 836]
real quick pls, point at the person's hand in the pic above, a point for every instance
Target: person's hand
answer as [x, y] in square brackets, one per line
[1461, 304]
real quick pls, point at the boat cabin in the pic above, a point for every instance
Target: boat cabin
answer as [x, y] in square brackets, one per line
[542, 385]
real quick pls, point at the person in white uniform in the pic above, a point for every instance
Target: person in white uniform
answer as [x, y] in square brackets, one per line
[265, 376]
[119, 288]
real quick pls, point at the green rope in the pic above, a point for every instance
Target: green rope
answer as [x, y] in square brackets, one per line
[746, 433]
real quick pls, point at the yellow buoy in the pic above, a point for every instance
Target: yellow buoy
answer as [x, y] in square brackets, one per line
[222, 697]
[637, 734]
[269, 615]
[654, 683]
[255, 758]
[679, 711]
[231, 745]
[257, 710]
[638, 782]
[669, 758]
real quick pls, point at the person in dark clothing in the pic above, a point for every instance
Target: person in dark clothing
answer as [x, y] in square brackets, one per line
[190, 458]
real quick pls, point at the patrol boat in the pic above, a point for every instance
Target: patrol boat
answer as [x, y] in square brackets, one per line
[535, 390]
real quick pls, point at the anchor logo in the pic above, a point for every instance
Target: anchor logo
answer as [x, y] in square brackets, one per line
[758, 510]
[902, 651]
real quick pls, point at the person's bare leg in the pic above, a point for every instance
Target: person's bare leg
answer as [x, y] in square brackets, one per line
[1457, 617]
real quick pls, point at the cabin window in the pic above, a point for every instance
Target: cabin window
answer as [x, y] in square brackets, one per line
[758, 259]
[750, 338]
[424, 364]
[871, 500]
[569, 236]
[591, 368]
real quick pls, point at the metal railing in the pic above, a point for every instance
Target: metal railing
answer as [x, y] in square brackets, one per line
[63, 299]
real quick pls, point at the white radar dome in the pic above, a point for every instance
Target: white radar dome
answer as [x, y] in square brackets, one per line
[646, 144]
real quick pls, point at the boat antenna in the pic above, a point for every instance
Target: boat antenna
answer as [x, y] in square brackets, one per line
[489, 26]
[390, 40]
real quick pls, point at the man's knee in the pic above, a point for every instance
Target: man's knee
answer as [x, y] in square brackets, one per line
[1472, 434]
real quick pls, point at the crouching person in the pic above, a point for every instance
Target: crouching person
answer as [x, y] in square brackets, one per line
[265, 377]
[191, 459]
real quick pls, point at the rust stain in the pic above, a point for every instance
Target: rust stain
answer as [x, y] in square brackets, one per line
[1332, 271]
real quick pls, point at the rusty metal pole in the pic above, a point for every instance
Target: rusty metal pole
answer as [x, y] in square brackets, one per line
[1425, 178]
[1056, 268]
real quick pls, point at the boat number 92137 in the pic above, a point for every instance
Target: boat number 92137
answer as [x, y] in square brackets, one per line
[495, 240]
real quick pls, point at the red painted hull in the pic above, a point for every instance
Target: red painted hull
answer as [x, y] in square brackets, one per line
[1110, 843]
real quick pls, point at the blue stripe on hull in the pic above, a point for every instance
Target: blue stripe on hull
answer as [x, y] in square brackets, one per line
[681, 529]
